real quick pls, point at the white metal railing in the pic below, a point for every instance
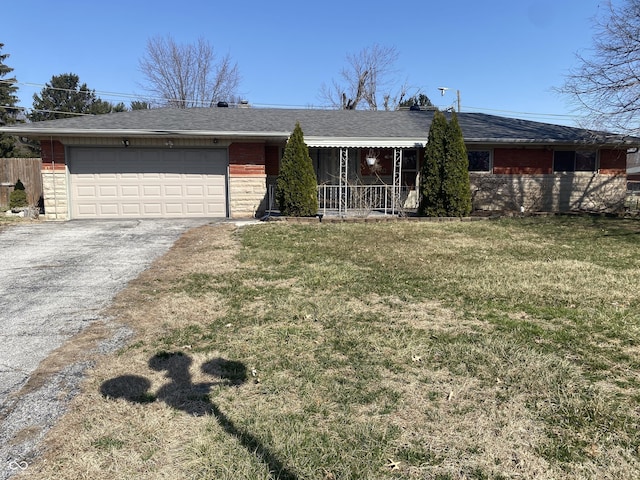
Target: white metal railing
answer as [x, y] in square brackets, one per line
[361, 200]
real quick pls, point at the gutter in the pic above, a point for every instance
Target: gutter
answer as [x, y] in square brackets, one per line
[83, 132]
[549, 141]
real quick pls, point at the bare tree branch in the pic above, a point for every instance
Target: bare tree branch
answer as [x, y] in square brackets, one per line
[188, 75]
[366, 80]
[606, 83]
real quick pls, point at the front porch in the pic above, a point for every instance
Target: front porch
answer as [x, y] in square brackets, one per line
[358, 182]
[358, 200]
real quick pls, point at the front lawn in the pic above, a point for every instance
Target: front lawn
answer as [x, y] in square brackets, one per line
[476, 350]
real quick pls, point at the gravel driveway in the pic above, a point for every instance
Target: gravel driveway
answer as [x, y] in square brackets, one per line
[55, 278]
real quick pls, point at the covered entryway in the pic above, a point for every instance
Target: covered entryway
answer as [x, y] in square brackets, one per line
[147, 182]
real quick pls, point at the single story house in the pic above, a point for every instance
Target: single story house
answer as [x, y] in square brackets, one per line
[222, 162]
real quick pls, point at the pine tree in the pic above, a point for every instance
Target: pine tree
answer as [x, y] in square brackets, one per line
[296, 186]
[445, 189]
[432, 202]
[456, 189]
[8, 100]
[65, 94]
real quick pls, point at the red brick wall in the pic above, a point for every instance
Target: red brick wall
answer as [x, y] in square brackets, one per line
[613, 162]
[247, 159]
[522, 161]
[52, 155]
[272, 160]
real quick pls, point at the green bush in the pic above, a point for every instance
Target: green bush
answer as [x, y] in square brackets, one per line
[18, 197]
[296, 186]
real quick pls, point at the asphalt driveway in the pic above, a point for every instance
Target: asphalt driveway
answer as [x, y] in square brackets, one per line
[55, 278]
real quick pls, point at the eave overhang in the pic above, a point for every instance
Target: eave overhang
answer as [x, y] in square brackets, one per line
[364, 142]
[596, 141]
[93, 133]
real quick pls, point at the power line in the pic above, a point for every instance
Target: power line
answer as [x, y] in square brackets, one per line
[130, 96]
[532, 114]
[119, 95]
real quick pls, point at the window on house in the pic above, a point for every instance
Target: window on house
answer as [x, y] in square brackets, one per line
[479, 160]
[574, 161]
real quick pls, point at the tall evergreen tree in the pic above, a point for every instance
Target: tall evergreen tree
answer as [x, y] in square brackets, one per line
[432, 202]
[456, 189]
[65, 94]
[445, 189]
[8, 102]
[296, 186]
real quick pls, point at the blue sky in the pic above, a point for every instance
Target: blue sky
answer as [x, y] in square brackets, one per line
[505, 56]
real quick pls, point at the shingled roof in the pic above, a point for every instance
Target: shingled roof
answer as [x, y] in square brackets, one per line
[321, 127]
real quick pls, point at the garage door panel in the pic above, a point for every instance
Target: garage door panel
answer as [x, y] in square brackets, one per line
[151, 190]
[110, 182]
[88, 210]
[150, 208]
[211, 208]
[87, 191]
[130, 208]
[195, 191]
[106, 209]
[130, 191]
[195, 209]
[215, 190]
[129, 176]
[175, 208]
[173, 190]
[108, 191]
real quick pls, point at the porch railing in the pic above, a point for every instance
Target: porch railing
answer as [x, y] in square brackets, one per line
[358, 200]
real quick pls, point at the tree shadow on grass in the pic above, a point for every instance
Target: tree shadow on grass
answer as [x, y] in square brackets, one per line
[181, 394]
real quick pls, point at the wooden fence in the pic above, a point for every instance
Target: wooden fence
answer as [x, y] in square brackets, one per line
[28, 170]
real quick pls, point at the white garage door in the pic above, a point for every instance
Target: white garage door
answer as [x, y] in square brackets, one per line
[117, 182]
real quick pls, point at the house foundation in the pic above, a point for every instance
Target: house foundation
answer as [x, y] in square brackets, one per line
[559, 192]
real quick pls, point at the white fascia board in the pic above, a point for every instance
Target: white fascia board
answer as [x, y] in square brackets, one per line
[83, 132]
[549, 141]
[351, 142]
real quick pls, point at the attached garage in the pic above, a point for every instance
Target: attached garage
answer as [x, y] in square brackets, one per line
[147, 182]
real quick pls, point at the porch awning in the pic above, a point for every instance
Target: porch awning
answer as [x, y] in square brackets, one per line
[364, 142]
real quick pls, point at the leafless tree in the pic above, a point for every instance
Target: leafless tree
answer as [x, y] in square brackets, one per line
[188, 75]
[366, 81]
[607, 81]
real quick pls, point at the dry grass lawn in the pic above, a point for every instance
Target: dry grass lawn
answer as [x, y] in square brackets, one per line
[480, 350]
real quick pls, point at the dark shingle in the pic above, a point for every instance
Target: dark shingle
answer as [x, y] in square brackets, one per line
[476, 127]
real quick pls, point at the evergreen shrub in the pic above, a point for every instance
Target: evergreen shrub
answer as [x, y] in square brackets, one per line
[18, 197]
[296, 186]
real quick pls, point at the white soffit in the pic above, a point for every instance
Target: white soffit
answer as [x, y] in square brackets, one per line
[350, 142]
